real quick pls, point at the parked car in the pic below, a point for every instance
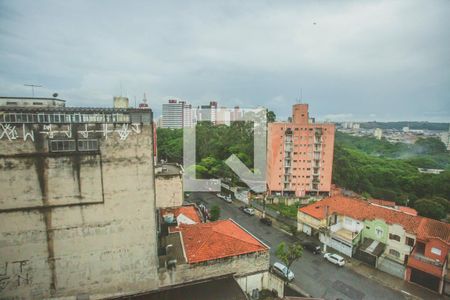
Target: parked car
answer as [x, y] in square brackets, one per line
[243, 207]
[266, 221]
[311, 246]
[249, 211]
[335, 259]
[283, 271]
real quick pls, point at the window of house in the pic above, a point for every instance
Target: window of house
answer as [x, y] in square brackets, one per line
[394, 253]
[409, 241]
[379, 232]
[394, 237]
[436, 251]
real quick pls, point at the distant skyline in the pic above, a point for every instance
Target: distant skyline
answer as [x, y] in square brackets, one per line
[353, 60]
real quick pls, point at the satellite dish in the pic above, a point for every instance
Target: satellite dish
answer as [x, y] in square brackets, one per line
[55, 95]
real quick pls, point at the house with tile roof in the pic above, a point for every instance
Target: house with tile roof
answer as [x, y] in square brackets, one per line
[191, 250]
[394, 240]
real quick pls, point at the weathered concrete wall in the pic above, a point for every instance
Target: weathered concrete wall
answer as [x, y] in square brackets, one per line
[77, 225]
[262, 280]
[241, 265]
[169, 190]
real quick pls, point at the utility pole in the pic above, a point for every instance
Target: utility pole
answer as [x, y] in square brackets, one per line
[32, 87]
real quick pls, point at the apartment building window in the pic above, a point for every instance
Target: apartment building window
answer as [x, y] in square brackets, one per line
[394, 237]
[62, 145]
[87, 145]
[394, 253]
[409, 241]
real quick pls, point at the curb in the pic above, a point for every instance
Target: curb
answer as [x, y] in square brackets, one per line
[299, 290]
[375, 278]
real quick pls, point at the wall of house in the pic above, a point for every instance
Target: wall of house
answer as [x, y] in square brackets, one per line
[238, 265]
[303, 218]
[437, 245]
[81, 224]
[370, 231]
[169, 190]
[399, 246]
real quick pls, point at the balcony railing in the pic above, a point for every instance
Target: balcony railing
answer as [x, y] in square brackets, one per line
[422, 258]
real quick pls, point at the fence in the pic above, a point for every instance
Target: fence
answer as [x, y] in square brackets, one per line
[275, 214]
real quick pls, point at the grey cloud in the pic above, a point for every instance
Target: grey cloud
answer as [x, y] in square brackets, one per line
[385, 58]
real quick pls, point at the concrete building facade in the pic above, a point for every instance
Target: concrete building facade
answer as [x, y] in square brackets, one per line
[169, 185]
[173, 114]
[300, 155]
[77, 207]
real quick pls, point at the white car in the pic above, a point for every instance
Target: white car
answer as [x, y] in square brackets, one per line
[334, 259]
[283, 271]
[228, 199]
[249, 211]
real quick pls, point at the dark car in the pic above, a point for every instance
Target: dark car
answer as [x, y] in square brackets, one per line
[312, 247]
[243, 207]
[266, 221]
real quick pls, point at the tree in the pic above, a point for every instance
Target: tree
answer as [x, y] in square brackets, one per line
[215, 213]
[271, 116]
[289, 254]
[430, 209]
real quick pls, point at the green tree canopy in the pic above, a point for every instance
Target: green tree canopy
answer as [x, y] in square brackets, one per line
[431, 209]
[288, 254]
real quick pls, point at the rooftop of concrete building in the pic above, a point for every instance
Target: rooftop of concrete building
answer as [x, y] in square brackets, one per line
[216, 240]
[32, 98]
[359, 209]
[186, 214]
[168, 169]
[223, 288]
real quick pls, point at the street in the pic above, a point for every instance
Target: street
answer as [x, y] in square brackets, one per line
[313, 274]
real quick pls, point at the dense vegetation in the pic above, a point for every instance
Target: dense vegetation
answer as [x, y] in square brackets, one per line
[389, 171]
[400, 125]
[374, 168]
[214, 144]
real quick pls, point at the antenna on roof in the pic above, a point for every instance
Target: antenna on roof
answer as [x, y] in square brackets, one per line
[32, 87]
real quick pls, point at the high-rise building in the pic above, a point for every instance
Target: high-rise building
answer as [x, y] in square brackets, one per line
[77, 202]
[172, 114]
[299, 155]
[208, 112]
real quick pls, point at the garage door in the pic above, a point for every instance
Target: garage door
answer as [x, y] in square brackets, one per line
[341, 247]
[307, 229]
[425, 279]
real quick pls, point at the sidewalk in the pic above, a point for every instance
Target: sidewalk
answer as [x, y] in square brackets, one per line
[410, 290]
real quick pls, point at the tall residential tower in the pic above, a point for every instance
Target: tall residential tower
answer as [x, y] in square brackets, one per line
[299, 155]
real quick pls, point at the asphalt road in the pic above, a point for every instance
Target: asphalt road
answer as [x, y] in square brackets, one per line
[313, 274]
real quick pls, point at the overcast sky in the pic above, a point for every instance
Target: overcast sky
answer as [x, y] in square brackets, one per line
[353, 60]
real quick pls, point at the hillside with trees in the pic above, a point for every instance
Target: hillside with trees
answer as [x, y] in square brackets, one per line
[388, 171]
[374, 168]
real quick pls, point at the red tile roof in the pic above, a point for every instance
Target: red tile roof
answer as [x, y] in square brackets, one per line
[189, 211]
[408, 210]
[382, 202]
[220, 239]
[362, 210]
[430, 228]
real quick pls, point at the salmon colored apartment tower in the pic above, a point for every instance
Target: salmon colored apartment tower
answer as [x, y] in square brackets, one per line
[300, 155]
